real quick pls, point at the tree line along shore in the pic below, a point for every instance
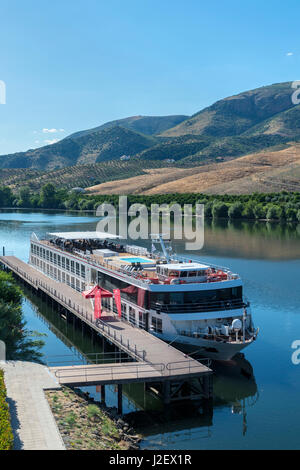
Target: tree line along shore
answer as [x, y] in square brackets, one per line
[282, 206]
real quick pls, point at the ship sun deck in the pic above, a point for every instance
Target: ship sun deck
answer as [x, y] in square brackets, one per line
[136, 263]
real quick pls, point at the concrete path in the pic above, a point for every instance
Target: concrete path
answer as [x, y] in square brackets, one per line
[32, 421]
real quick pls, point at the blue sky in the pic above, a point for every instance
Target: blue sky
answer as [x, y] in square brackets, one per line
[70, 65]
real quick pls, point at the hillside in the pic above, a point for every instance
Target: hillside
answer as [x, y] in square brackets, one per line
[149, 125]
[252, 121]
[261, 172]
[106, 144]
[235, 115]
[78, 175]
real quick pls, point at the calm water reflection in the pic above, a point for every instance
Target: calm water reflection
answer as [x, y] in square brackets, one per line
[256, 397]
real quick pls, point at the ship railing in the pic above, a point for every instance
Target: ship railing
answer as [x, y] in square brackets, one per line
[199, 306]
[211, 265]
[113, 373]
[87, 358]
[188, 366]
[232, 337]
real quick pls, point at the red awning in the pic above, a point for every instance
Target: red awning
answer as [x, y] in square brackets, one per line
[130, 290]
[90, 294]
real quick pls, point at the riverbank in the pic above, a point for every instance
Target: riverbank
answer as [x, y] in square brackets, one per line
[282, 206]
[87, 425]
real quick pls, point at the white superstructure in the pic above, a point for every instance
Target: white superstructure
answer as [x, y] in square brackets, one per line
[195, 306]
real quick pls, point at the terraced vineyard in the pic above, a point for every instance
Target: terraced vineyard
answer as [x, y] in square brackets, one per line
[79, 175]
[17, 176]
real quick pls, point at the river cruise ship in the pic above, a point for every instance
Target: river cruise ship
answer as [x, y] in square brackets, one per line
[196, 307]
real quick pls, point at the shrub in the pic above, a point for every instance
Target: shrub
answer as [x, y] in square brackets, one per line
[248, 212]
[93, 412]
[6, 435]
[273, 213]
[220, 210]
[235, 210]
[259, 211]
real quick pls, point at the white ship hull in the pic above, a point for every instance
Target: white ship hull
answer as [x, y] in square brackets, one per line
[205, 348]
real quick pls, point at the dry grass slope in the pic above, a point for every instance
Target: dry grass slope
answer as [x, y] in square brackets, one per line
[261, 172]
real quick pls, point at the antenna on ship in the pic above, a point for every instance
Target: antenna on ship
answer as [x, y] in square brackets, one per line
[158, 238]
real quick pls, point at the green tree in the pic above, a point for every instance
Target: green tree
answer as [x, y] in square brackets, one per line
[208, 209]
[21, 343]
[272, 213]
[248, 212]
[48, 196]
[260, 211]
[291, 214]
[219, 210]
[24, 199]
[235, 210]
[6, 197]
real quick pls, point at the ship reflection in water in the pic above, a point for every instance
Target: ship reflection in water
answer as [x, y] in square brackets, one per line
[234, 388]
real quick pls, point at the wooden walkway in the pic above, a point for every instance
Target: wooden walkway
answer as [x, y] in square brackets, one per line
[157, 360]
[103, 374]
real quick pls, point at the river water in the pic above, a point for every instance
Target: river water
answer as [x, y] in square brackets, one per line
[256, 398]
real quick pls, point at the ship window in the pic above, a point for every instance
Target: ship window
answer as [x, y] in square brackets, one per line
[183, 274]
[63, 262]
[83, 271]
[67, 264]
[174, 273]
[77, 269]
[123, 311]
[72, 266]
[54, 258]
[157, 324]
[176, 297]
[131, 315]
[58, 260]
[192, 273]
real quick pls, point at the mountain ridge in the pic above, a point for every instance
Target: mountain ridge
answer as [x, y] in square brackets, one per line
[251, 121]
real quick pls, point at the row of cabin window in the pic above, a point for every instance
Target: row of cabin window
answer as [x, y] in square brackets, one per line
[190, 297]
[61, 261]
[59, 275]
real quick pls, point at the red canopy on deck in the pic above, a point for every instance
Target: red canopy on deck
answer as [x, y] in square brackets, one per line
[90, 294]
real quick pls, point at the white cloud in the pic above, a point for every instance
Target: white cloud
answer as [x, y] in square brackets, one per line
[49, 131]
[51, 141]
[289, 54]
[52, 131]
